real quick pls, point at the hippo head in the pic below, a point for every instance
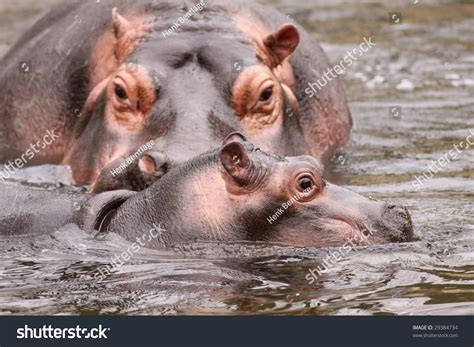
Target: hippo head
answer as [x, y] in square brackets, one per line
[240, 192]
[286, 200]
[186, 89]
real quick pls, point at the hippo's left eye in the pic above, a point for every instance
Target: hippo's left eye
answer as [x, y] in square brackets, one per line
[266, 94]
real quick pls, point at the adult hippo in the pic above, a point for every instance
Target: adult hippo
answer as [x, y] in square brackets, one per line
[237, 192]
[107, 76]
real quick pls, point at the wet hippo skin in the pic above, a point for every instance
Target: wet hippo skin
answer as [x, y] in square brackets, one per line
[135, 176]
[232, 194]
[109, 76]
[30, 210]
[239, 192]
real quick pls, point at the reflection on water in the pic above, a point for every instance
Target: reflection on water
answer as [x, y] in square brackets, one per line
[424, 66]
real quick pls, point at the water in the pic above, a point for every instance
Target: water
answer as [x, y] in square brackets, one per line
[423, 65]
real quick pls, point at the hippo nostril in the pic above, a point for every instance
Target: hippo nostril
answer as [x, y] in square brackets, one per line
[165, 167]
[391, 206]
[154, 162]
[396, 210]
[399, 219]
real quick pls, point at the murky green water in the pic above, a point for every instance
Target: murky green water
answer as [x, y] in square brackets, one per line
[425, 65]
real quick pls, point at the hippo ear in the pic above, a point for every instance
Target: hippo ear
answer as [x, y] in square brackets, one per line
[119, 24]
[283, 42]
[234, 137]
[236, 161]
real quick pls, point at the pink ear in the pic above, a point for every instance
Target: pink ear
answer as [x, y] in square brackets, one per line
[282, 42]
[236, 161]
[119, 24]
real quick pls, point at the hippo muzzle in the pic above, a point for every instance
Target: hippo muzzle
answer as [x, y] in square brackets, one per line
[348, 214]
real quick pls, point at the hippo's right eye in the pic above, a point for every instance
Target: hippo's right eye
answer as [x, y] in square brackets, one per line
[120, 92]
[305, 183]
[266, 94]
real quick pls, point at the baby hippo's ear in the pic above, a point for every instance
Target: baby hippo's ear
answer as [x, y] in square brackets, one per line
[236, 161]
[234, 137]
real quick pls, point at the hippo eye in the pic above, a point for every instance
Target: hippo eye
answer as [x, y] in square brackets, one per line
[305, 183]
[266, 94]
[120, 92]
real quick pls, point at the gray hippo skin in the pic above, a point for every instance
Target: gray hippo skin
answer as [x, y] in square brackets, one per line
[135, 175]
[106, 81]
[239, 192]
[29, 210]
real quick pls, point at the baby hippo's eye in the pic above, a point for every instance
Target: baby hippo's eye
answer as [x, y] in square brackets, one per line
[305, 183]
[266, 94]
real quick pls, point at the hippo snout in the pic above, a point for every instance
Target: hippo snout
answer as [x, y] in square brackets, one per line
[133, 174]
[155, 161]
[344, 215]
[398, 222]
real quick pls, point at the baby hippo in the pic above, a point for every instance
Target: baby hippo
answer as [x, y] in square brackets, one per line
[239, 192]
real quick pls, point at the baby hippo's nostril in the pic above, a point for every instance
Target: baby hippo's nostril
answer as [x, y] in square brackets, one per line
[397, 209]
[399, 219]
